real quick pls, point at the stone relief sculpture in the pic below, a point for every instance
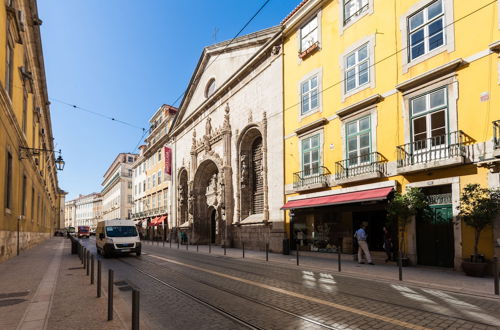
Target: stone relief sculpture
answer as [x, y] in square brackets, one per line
[244, 171]
[211, 192]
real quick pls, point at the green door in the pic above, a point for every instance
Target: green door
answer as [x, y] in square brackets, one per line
[435, 241]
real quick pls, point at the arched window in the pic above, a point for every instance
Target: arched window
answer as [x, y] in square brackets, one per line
[257, 184]
[210, 88]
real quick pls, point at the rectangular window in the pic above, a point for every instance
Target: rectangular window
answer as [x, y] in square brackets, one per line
[426, 30]
[159, 176]
[154, 180]
[309, 95]
[23, 196]
[129, 185]
[130, 173]
[154, 201]
[144, 185]
[9, 69]
[356, 72]
[8, 181]
[165, 196]
[129, 199]
[309, 34]
[353, 8]
[358, 141]
[311, 155]
[159, 155]
[429, 119]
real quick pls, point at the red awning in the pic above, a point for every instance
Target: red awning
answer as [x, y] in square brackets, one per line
[352, 197]
[153, 222]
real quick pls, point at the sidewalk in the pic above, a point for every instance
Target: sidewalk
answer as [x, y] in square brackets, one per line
[431, 277]
[47, 288]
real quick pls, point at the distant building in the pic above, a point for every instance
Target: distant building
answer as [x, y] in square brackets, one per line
[117, 188]
[69, 213]
[88, 210]
[151, 178]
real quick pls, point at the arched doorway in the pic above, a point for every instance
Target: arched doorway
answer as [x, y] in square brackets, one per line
[207, 197]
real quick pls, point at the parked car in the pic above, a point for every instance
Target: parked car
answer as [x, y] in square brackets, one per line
[83, 231]
[117, 236]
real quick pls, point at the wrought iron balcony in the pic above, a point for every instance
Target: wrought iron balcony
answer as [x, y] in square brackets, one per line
[496, 134]
[313, 178]
[442, 150]
[367, 166]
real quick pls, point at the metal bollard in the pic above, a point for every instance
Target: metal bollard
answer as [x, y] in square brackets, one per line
[187, 244]
[224, 247]
[297, 253]
[178, 243]
[91, 269]
[495, 277]
[110, 294]
[88, 262]
[400, 266]
[135, 309]
[339, 258]
[267, 251]
[197, 246]
[210, 246]
[98, 278]
[243, 249]
[83, 260]
[81, 254]
[170, 240]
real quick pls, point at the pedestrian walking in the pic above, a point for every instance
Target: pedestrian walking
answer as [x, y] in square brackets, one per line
[387, 244]
[361, 236]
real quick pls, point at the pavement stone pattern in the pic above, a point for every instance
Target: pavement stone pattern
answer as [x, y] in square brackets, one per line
[399, 301]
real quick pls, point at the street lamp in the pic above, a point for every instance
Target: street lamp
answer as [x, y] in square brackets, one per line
[25, 152]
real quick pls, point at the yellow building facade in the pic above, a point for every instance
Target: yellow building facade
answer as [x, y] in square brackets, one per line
[29, 194]
[382, 95]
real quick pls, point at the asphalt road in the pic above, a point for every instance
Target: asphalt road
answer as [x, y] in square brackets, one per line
[189, 290]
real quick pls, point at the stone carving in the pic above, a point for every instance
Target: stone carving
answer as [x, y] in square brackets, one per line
[250, 118]
[182, 201]
[208, 127]
[193, 144]
[190, 203]
[226, 125]
[211, 192]
[244, 171]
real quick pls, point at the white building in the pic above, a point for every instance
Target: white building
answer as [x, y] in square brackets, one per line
[85, 210]
[117, 188]
[228, 150]
[69, 213]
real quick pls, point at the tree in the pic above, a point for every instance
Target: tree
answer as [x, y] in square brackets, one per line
[478, 208]
[403, 207]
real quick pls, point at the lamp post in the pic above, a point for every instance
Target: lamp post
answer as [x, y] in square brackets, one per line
[25, 152]
[292, 225]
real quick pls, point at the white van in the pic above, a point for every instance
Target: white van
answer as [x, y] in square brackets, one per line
[117, 236]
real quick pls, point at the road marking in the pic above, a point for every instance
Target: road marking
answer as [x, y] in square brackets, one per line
[298, 295]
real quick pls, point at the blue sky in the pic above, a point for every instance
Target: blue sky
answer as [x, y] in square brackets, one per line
[124, 59]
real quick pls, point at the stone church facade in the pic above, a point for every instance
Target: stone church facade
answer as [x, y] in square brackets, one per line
[228, 169]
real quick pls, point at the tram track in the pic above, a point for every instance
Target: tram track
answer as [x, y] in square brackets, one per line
[375, 300]
[231, 292]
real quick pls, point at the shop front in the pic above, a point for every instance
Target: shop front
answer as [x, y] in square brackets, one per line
[327, 223]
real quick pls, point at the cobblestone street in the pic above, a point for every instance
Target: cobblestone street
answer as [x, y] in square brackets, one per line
[186, 289]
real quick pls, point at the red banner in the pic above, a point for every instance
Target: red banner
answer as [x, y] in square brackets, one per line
[168, 160]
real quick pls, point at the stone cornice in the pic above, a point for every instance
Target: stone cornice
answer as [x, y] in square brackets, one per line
[431, 75]
[363, 104]
[311, 126]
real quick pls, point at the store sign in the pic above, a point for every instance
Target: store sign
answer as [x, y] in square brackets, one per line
[168, 161]
[439, 199]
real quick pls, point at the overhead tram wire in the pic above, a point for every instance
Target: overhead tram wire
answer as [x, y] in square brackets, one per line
[74, 106]
[227, 45]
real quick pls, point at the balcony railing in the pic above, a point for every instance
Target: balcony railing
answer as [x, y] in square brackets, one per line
[355, 166]
[313, 176]
[440, 147]
[151, 212]
[496, 134]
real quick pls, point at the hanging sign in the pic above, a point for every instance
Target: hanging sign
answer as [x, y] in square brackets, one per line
[168, 161]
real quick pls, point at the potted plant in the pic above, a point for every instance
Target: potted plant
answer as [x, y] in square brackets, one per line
[401, 209]
[477, 209]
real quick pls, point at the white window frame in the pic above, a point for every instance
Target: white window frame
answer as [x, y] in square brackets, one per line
[342, 25]
[370, 44]
[358, 135]
[309, 135]
[315, 73]
[449, 33]
[302, 47]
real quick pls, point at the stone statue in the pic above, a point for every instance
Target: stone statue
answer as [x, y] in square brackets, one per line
[244, 171]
